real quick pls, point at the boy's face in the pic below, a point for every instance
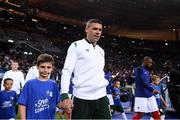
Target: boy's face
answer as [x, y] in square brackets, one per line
[117, 84]
[45, 69]
[8, 84]
[157, 81]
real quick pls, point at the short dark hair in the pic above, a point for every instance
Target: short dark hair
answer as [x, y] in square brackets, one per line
[45, 58]
[147, 58]
[94, 20]
[117, 79]
[14, 61]
[6, 79]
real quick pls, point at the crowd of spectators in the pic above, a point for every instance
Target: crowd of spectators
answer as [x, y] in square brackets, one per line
[122, 58]
[122, 55]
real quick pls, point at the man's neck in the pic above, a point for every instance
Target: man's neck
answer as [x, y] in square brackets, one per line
[89, 41]
[14, 70]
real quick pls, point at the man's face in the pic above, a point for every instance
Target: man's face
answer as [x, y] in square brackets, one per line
[148, 63]
[94, 31]
[14, 66]
[45, 69]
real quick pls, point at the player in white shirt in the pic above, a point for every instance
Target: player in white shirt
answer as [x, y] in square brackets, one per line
[16, 75]
[32, 73]
[85, 60]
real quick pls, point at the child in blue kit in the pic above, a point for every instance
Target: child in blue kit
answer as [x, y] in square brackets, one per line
[116, 97]
[159, 99]
[40, 96]
[8, 100]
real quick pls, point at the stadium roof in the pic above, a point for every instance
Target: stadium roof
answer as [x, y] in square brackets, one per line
[141, 19]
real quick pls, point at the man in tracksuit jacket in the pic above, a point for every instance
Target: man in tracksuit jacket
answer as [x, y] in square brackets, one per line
[145, 101]
[85, 59]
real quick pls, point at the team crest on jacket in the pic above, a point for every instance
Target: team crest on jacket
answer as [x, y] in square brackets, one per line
[12, 98]
[49, 93]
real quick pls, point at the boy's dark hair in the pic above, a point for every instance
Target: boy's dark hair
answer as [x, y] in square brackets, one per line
[45, 58]
[116, 80]
[6, 79]
[93, 21]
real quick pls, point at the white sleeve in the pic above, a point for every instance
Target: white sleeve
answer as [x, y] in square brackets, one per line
[22, 79]
[69, 65]
[30, 74]
[2, 82]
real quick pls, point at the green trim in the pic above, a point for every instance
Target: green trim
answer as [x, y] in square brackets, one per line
[64, 96]
[75, 45]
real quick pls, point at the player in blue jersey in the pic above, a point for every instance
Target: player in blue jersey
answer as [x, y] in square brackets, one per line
[159, 99]
[145, 101]
[8, 100]
[40, 96]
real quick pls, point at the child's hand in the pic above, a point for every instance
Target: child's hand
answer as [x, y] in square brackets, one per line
[67, 105]
[165, 105]
[155, 92]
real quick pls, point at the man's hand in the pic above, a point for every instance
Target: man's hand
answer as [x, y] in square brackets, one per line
[67, 105]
